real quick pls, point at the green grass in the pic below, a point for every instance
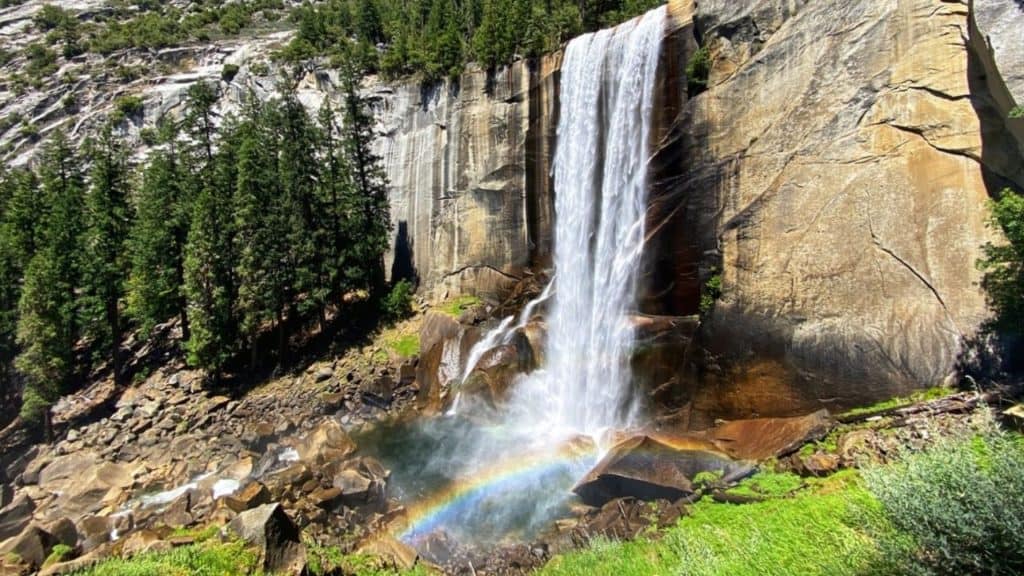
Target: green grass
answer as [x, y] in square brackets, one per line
[330, 560]
[459, 305]
[921, 396]
[60, 553]
[198, 534]
[406, 345]
[829, 528]
[206, 559]
[769, 484]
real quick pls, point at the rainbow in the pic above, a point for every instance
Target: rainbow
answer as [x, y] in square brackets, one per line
[425, 516]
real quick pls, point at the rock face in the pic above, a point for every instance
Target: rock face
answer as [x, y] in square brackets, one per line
[836, 174]
[468, 164]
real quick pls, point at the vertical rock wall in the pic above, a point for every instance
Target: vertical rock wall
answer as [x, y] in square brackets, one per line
[836, 175]
[470, 184]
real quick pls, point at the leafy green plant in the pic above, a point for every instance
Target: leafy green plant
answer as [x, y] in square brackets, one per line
[229, 72]
[962, 502]
[397, 304]
[129, 106]
[1003, 264]
[1017, 112]
[698, 68]
[710, 294]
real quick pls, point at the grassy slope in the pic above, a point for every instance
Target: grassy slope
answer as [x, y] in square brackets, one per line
[826, 528]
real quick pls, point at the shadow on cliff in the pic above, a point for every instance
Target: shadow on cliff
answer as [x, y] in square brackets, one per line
[403, 267]
[992, 356]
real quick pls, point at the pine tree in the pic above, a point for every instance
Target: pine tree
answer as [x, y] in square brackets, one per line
[301, 213]
[261, 227]
[157, 242]
[368, 203]
[47, 309]
[208, 283]
[210, 286]
[106, 267]
[334, 187]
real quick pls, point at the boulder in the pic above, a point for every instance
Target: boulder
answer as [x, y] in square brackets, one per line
[64, 531]
[355, 486]
[178, 513]
[327, 442]
[15, 516]
[275, 535]
[651, 469]
[252, 495]
[32, 545]
[763, 438]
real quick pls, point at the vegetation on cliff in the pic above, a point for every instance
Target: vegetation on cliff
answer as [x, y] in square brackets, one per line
[245, 228]
[1003, 268]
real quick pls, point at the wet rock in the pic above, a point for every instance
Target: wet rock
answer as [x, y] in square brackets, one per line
[16, 516]
[764, 438]
[94, 530]
[179, 512]
[325, 497]
[355, 487]
[276, 536]
[650, 469]
[32, 545]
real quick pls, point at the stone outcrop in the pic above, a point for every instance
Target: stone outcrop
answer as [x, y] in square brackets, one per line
[835, 174]
[274, 534]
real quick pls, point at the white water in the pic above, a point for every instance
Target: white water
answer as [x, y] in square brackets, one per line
[600, 172]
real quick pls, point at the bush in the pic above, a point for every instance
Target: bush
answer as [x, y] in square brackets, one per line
[710, 294]
[1017, 112]
[229, 72]
[962, 502]
[128, 107]
[697, 71]
[398, 303]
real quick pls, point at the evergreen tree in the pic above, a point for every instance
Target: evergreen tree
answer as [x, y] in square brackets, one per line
[210, 286]
[262, 227]
[106, 261]
[367, 205]
[300, 210]
[47, 309]
[157, 241]
[334, 187]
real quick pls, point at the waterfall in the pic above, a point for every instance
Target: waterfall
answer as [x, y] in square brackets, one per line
[514, 472]
[600, 173]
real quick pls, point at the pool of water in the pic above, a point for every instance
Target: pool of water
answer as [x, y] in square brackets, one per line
[479, 484]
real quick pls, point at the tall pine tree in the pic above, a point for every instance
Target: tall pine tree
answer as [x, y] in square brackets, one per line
[367, 204]
[105, 269]
[157, 243]
[47, 325]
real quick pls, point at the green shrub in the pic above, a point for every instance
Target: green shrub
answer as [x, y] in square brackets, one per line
[42, 61]
[130, 106]
[697, 71]
[1017, 112]
[49, 17]
[710, 294]
[398, 302]
[962, 502]
[229, 72]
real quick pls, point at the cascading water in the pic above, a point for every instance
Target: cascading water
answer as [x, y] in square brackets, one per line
[515, 475]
